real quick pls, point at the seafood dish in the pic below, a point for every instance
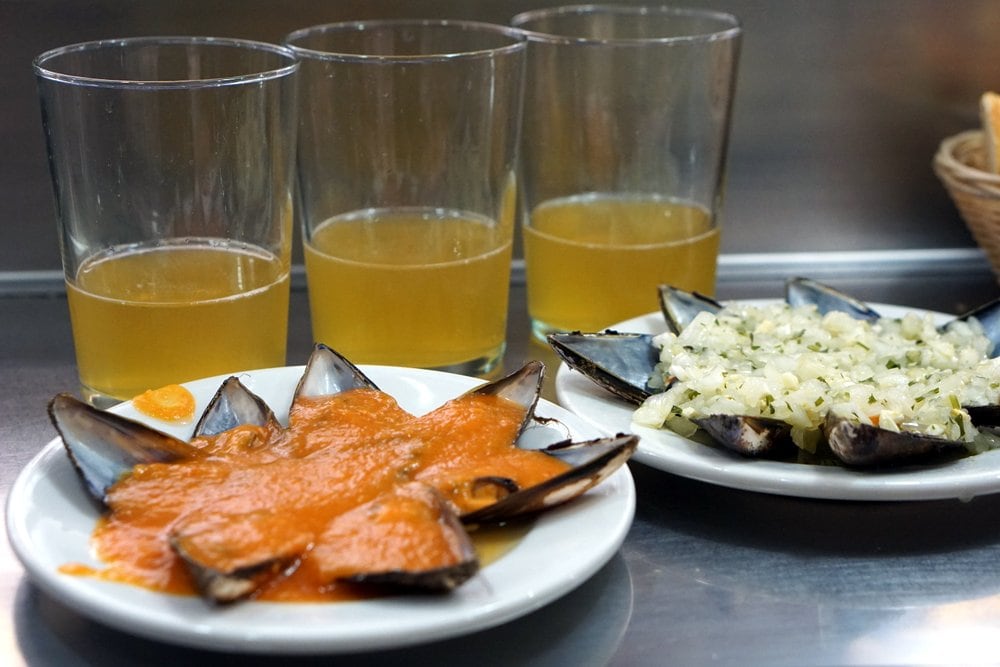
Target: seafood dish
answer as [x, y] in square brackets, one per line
[353, 497]
[820, 378]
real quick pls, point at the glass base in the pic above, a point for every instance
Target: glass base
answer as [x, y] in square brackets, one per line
[540, 330]
[487, 366]
[99, 400]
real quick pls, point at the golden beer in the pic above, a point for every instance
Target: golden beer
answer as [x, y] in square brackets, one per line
[595, 260]
[146, 317]
[410, 287]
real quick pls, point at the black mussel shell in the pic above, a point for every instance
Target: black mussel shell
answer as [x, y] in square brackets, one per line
[233, 405]
[328, 372]
[522, 387]
[988, 315]
[103, 445]
[679, 308]
[803, 291]
[622, 363]
[756, 437]
[593, 461]
[864, 445]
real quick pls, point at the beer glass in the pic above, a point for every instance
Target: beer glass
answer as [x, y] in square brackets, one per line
[172, 163]
[626, 124]
[408, 142]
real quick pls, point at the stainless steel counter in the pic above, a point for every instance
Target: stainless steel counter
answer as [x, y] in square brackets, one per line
[707, 575]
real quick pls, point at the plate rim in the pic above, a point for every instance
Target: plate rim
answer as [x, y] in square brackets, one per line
[666, 451]
[115, 606]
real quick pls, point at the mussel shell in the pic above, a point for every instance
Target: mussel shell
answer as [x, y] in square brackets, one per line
[103, 446]
[233, 405]
[988, 315]
[622, 363]
[436, 579]
[328, 372]
[756, 437]
[592, 462]
[221, 587]
[803, 292]
[864, 445]
[522, 387]
[679, 307]
[985, 416]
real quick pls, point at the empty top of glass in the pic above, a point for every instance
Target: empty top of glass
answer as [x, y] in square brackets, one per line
[626, 25]
[165, 62]
[402, 41]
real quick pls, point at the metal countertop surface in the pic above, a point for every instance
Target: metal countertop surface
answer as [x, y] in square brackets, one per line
[707, 575]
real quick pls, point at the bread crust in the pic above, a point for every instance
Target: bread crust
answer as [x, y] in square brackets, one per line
[989, 110]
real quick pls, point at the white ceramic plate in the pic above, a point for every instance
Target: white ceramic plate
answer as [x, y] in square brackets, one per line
[50, 519]
[964, 478]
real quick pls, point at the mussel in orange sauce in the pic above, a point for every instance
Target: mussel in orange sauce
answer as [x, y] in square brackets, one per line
[355, 495]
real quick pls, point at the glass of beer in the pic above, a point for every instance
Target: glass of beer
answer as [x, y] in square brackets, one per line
[408, 141]
[626, 122]
[172, 162]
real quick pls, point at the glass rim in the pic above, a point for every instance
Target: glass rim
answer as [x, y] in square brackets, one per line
[44, 71]
[729, 26]
[517, 37]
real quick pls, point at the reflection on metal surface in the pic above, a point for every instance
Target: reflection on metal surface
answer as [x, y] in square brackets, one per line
[958, 633]
[734, 268]
[822, 265]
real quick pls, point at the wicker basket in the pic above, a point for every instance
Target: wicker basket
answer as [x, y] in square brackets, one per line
[960, 163]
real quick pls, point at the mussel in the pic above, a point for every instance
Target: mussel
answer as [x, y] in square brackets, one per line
[805, 292]
[622, 363]
[105, 447]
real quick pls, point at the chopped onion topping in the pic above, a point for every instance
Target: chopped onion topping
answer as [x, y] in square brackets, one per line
[796, 365]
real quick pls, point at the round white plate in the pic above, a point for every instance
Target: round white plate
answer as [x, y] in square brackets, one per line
[662, 449]
[50, 519]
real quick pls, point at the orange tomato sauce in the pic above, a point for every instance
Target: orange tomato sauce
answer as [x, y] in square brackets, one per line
[333, 491]
[170, 403]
